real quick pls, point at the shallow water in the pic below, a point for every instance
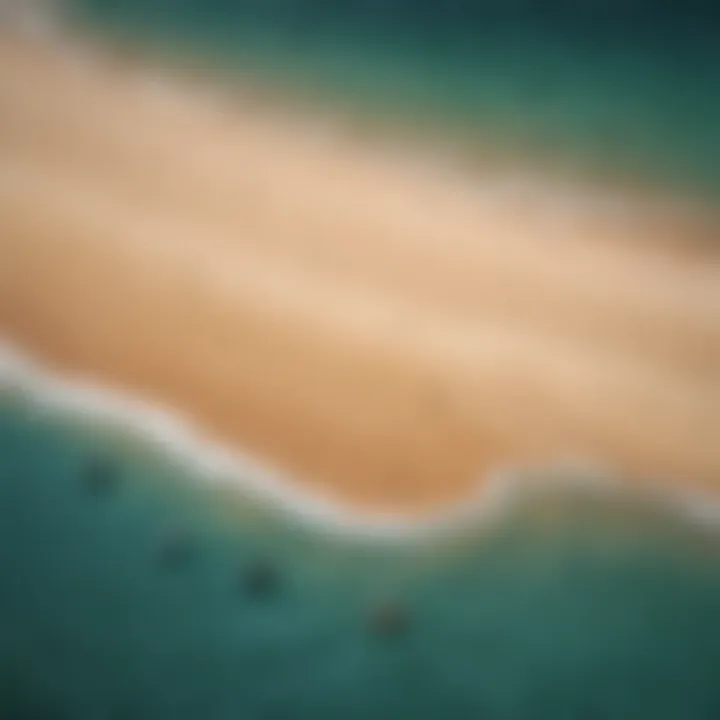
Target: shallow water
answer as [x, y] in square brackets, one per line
[565, 608]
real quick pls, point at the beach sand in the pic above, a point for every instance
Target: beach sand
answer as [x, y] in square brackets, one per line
[387, 331]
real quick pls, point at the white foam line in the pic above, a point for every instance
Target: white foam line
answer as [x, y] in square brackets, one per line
[175, 435]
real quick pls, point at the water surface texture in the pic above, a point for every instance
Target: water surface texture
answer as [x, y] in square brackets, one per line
[578, 611]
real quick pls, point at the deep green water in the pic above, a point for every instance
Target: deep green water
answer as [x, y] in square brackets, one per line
[599, 610]
[627, 87]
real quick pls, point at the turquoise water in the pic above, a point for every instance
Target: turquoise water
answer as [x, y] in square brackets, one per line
[591, 611]
[627, 88]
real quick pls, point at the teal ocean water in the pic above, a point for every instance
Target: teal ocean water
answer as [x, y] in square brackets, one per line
[130, 587]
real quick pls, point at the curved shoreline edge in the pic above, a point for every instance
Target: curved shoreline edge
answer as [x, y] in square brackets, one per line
[167, 429]
[177, 436]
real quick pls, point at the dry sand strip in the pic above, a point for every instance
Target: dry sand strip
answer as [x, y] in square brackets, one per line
[386, 332]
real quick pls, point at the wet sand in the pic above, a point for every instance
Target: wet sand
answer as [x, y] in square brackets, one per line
[385, 330]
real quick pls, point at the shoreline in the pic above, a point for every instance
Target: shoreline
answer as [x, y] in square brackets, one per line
[448, 145]
[192, 83]
[177, 438]
[388, 332]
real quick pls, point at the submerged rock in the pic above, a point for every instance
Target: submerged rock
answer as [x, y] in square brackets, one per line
[176, 549]
[260, 580]
[389, 619]
[101, 476]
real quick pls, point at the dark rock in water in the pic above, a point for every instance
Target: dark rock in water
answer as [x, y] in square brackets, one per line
[101, 476]
[389, 619]
[176, 549]
[260, 580]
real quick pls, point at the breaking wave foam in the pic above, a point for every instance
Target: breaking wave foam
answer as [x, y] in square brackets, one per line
[175, 435]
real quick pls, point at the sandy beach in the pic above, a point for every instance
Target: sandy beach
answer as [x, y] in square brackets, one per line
[388, 330]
